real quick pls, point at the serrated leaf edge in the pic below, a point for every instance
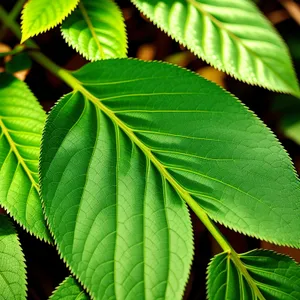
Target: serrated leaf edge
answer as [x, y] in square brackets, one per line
[23, 39]
[274, 241]
[35, 184]
[271, 251]
[260, 121]
[61, 284]
[22, 253]
[222, 69]
[208, 278]
[227, 92]
[78, 49]
[53, 236]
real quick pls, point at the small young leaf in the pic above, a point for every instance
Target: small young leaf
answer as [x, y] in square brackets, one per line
[269, 276]
[41, 15]
[12, 263]
[121, 153]
[69, 289]
[21, 123]
[96, 29]
[231, 35]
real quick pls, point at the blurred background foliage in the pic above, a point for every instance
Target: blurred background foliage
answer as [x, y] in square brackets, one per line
[280, 112]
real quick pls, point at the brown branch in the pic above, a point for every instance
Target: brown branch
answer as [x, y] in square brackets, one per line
[278, 16]
[292, 8]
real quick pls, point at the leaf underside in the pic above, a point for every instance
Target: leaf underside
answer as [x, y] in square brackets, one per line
[41, 15]
[12, 263]
[69, 289]
[21, 124]
[119, 157]
[231, 35]
[96, 29]
[276, 276]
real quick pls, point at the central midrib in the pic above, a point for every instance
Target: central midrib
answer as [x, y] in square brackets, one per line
[18, 155]
[182, 192]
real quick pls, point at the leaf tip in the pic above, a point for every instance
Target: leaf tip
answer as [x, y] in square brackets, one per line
[24, 38]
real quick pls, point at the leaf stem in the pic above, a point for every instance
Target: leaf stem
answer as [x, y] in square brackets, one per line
[38, 56]
[68, 78]
[13, 15]
[18, 49]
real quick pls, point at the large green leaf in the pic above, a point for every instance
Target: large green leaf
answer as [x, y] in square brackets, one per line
[126, 233]
[12, 263]
[96, 29]
[121, 153]
[41, 15]
[262, 275]
[21, 123]
[231, 35]
[69, 289]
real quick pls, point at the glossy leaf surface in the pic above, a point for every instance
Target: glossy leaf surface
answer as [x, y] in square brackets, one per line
[21, 124]
[276, 277]
[120, 156]
[127, 233]
[96, 29]
[41, 15]
[12, 263]
[231, 35]
[69, 289]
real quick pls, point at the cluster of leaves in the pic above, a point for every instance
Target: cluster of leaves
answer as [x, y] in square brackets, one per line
[136, 143]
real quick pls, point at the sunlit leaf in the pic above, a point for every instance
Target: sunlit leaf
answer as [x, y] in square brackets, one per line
[262, 274]
[12, 263]
[41, 15]
[96, 29]
[231, 35]
[21, 123]
[69, 289]
[124, 151]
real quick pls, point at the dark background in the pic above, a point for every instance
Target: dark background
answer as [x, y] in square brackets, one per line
[45, 269]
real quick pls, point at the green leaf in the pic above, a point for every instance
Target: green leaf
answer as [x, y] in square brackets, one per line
[126, 232]
[231, 35]
[96, 30]
[19, 62]
[41, 15]
[69, 289]
[269, 276]
[21, 123]
[12, 263]
[120, 155]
